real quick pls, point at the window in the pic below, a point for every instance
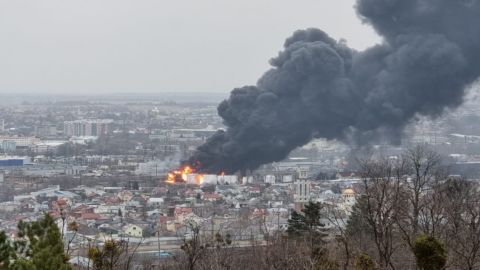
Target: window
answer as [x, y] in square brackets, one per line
[134, 228]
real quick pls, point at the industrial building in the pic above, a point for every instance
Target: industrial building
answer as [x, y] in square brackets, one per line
[6, 161]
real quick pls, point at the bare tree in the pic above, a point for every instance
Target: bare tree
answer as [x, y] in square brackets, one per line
[425, 168]
[462, 208]
[383, 203]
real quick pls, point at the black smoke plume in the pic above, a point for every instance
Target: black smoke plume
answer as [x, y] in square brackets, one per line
[320, 88]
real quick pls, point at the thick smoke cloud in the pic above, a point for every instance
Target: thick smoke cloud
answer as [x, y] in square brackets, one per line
[320, 88]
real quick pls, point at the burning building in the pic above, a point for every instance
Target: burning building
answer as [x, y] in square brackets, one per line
[189, 177]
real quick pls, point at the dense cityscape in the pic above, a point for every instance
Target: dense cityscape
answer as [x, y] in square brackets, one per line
[103, 167]
[124, 147]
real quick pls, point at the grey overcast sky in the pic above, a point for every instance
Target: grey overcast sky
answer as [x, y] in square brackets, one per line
[147, 46]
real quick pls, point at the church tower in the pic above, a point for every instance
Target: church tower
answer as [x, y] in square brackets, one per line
[349, 200]
[302, 190]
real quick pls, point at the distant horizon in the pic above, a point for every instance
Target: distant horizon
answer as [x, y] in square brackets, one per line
[119, 93]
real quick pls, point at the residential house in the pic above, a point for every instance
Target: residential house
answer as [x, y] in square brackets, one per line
[134, 230]
[162, 221]
[190, 193]
[173, 225]
[254, 191]
[180, 213]
[125, 195]
[211, 197]
[155, 201]
[90, 217]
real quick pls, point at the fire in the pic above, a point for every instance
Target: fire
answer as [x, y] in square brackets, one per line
[177, 175]
[181, 176]
[170, 178]
[223, 173]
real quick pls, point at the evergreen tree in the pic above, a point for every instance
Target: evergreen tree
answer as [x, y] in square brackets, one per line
[108, 257]
[312, 216]
[296, 223]
[5, 251]
[356, 224]
[364, 262]
[44, 248]
[120, 212]
[135, 185]
[308, 221]
[430, 253]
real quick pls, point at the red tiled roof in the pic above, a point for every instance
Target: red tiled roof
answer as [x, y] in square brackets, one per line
[110, 199]
[259, 212]
[80, 208]
[211, 196]
[183, 210]
[164, 219]
[90, 216]
[59, 202]
[11, 222]
[60, 206]
[254, 189]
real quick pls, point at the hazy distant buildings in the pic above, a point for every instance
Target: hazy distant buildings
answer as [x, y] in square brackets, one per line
[21, 142]
[183, 134]
[45, 131]
[95, 127]
[2, 125]
[9, 145]
[42, 148]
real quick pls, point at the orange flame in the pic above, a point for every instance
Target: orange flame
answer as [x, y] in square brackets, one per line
[223, 173]
[182, 173]
[174, 176]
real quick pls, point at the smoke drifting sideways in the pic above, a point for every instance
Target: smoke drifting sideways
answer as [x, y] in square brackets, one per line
[320, 88]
